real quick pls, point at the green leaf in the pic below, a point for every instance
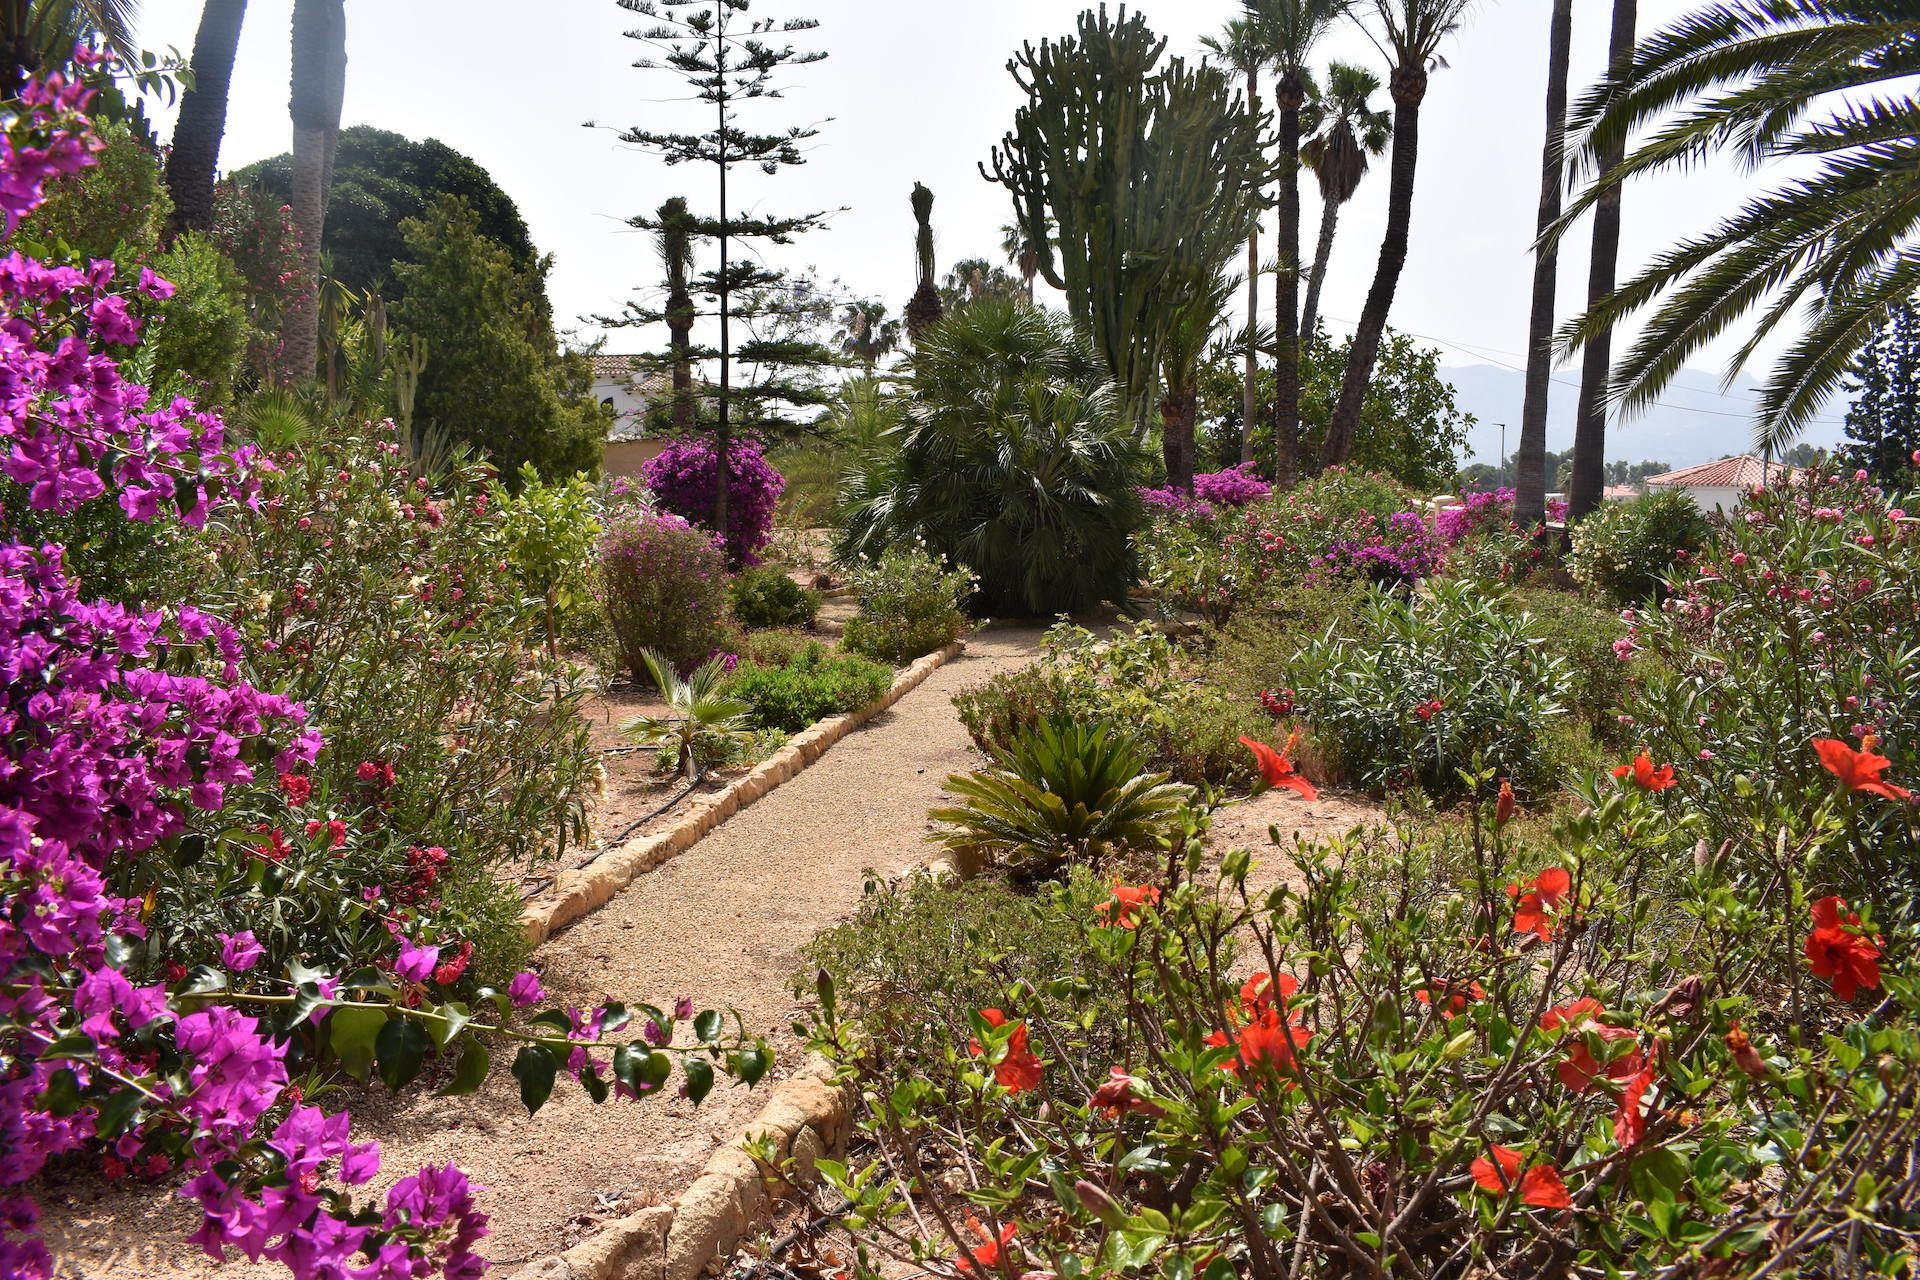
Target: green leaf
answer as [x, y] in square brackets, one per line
[204, 980]
[401, 1047]
[62, 1095]
[699, 1078]
[706, 1026]
[74, 1048]
[471, 1072]
[534, 1067]
[351, 1030]
[456, 1019]
[116, 1112]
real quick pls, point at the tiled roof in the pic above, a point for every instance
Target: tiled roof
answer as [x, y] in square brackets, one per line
[1620, 493]
[1742, 472]
[607, 368]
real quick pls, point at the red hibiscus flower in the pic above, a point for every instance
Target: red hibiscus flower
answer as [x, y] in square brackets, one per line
[1630, 1121]
[1839, 952]
[1579, 1069]
[1644, 775]
[1428, 710]
[1019, 1070]
[1858, 770]
[1276, 769]
[1535, 905]
[1540, 1187]
[1117, 1095]
[1456, 997]
[1269, 1039]
[1256, 993]
[986, 1254]
[1127, 903]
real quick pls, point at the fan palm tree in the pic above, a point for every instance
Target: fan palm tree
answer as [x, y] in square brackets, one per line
[1180, 358]
[319, 85]
[1530, 480]
[1239, 45]
[195, 154]
[37, 34]
[1290, 29]
[1347, 134]
[1814, 81]
[1411, 34]
[677, 227]
[699, 710]
[1022, 253]
[1588, 487]
[865, 332]
[923, 309]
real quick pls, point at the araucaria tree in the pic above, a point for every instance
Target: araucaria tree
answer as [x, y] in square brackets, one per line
[1150, 176]
[1883, 423]
[1821, 84]
[1411, 32]
[726, 58]
[923, 309]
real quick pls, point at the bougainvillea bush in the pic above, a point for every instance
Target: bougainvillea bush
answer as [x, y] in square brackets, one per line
[1405, 1058]
[684, 479]
[1233, 487]
[133, 739]
[663, 585]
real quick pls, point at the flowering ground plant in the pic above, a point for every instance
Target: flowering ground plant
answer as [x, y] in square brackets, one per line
[1408, 1056]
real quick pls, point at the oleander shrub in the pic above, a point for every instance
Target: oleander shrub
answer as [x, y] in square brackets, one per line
[911, 603]
[1628, 550]
[684, 479]
[809, 685]
[663, 585]
[1417, 690]
[768, 597]
[1599, 671]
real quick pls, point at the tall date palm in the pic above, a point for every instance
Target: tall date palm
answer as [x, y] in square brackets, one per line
[1411, 34]
[319, 86]
[1348, 134]
[1240, 45]
[1530, 479]
[195, 154]
[1817, 83]
[675, 232]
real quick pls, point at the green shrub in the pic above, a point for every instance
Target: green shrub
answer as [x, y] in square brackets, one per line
[772, 648]
[663, 584]
[1065, 791]
[1190, 729]
[1417, 690]
[1255, 652]
[550, 531]
[814, 684]
[1629, 549]
[201, 338]
[766, 597]
[1597, 678]
[910, 604]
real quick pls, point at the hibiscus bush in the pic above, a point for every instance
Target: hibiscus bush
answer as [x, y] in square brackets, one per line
[1801, 623]
[1412, 692]
[134, 738]
[684, 478]
[1404, 1058]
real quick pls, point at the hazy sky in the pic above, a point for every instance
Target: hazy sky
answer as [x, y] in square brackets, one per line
[919, 91]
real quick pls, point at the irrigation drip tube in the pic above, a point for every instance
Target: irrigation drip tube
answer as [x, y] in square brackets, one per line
[619, 839]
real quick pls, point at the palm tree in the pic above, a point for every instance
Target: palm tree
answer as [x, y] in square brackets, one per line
[1180, 359]
[699, 710]
[1590, 420]
[38, 34]
[1530, 484]
[1809, 80]
[203, 117]
[1347, 134]
[677, 227]
[865, 332]
[1411, 34]
[1240, 46]
[1022, 253]
[1290, 29]
[319, 84]
[923, 309]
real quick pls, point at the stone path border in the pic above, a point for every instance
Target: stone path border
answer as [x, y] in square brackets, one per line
[806, 1118]
[575, 893]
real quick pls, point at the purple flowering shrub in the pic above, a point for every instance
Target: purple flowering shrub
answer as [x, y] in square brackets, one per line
[663, 584]
[126, 730]
[683, 479]
[1233, 487]
[1399, 551]
[1484, 512]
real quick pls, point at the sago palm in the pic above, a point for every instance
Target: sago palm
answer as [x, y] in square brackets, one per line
[1817, 84]
[1014, 459]
[1347, 135]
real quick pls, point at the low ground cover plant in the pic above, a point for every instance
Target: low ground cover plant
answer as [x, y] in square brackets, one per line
[911, 603]
[813, 683]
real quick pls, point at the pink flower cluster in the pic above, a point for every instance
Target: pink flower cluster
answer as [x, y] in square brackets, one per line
[684, 479]
[1212, 490]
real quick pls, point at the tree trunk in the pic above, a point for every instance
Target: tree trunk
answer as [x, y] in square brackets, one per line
[19, 57]
[1310, 310]
[1587, 487]
[1409, 88]
[1530, 484]
[319, 82]
[195, 155]
[1250, 396]
[1179, 411]
[1286, 291]
[680, 339]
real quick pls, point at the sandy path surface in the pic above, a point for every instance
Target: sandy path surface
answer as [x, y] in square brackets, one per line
[722, 923]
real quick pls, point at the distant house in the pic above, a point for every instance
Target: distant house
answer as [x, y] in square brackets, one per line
[620, 383]
[1722, 485]
[1620, 492]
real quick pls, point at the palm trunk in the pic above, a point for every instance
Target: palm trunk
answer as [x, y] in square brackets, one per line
[19, 56]
[319, 61]
[1409, 88]
[1588, 486]
[195, 155]
[1250, 396]
[1530, 484]
[680, 341]
[1179, 411]
[1286, 293]
[1310, 310]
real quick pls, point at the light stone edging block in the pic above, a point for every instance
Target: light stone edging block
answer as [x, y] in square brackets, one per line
[807, 1117]
[574, 894]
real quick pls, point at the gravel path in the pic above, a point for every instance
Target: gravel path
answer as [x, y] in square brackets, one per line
[722, 923]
